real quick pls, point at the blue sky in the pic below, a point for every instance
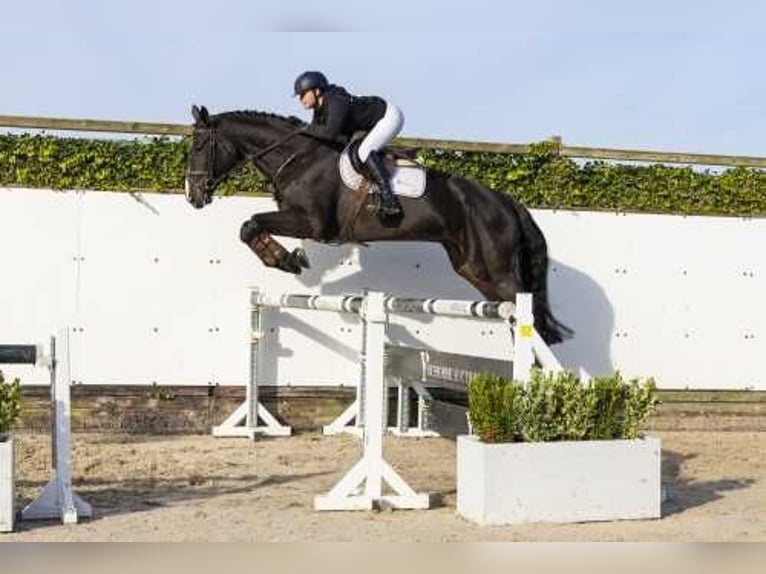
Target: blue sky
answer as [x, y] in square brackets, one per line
[679, 76]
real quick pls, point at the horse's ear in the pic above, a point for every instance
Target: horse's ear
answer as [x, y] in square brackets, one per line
[200, 115]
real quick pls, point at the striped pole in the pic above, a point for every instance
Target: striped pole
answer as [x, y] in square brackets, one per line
[451, 308]
[337, 303]
[396, 305]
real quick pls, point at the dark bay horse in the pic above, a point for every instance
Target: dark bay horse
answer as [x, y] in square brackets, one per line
[490, 238]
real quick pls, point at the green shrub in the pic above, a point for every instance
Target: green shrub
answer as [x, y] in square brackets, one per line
[554, 407]
[639, 403]
[494, 408]
[539, 179]
[10, 404]
[606, 403]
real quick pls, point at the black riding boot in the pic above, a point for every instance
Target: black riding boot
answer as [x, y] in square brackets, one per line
[389, 203]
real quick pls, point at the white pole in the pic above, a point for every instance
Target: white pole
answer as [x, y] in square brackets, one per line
[251, 393]
[523, 337]
[374, 315]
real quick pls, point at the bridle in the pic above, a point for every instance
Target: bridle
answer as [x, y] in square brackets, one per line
[211, 183]
[276, 145]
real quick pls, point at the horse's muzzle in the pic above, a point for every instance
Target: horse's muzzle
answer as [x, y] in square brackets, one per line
[198, 195]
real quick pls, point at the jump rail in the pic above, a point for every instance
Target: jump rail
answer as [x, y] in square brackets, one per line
[252, 418]
[362, 486]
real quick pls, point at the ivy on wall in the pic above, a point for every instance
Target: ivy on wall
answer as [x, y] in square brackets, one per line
[540, 179]
[157, 164]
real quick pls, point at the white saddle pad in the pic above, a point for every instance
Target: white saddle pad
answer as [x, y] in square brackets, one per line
[407, 181]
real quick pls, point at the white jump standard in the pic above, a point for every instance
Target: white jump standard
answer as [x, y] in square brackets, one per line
[57, 500]
[243, 422]
[363, 486]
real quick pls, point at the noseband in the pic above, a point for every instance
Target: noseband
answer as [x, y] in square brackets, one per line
[210, 183]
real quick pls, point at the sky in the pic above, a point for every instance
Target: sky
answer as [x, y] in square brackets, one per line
[661, 75]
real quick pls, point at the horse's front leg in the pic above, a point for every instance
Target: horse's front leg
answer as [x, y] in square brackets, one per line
[257, 232]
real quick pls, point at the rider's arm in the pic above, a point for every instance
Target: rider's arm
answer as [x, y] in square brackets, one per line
[335, 117]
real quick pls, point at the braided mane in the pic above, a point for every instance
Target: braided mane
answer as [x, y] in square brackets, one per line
[253, 114]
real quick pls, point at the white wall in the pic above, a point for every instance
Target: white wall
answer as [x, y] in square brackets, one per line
[159, 293]
[679, 298]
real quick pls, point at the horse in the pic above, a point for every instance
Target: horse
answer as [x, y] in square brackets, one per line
[491, 239]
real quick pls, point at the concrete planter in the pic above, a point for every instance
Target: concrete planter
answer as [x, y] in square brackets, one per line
[7, 493]
[579, 481]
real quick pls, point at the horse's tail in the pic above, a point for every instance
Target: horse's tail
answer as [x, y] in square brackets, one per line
[533, 271]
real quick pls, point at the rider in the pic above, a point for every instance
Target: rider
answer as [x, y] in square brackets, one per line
[338, 113]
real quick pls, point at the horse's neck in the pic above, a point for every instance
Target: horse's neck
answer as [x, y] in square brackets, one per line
[255, 140]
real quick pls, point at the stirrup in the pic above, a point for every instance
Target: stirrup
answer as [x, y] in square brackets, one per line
[390, 203]
[392, 209]
[379, 206]
[375, 204]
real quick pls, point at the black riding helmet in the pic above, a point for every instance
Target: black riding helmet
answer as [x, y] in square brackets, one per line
[310, 81]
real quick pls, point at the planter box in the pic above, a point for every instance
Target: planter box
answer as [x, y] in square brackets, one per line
[577, 481]
[7, 493]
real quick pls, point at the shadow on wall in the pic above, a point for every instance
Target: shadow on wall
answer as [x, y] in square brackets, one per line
[576, 299]
[396, 268]
[344, 269]
[582, 305]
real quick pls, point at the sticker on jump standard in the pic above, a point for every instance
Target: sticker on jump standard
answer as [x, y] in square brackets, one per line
[527, 331]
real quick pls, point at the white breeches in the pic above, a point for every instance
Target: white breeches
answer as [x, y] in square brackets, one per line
[382, 133]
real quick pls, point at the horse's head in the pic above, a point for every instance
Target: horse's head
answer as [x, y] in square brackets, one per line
[211, 157]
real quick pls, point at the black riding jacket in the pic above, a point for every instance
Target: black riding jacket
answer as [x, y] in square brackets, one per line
[342, 114]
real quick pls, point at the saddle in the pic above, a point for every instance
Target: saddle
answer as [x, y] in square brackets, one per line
[407, 176]
[393, 157]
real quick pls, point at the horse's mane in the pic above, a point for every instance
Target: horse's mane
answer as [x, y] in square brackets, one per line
[253, 114]
[291, 120]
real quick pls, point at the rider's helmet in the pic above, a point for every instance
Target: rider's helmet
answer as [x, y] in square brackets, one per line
[310, 81]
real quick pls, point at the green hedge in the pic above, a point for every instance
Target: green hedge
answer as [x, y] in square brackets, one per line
[539, 179]
[10, 404]
[556, 407]
[156, 164]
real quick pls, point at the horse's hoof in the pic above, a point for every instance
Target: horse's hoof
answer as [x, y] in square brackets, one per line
[290, 264]
[300, 257]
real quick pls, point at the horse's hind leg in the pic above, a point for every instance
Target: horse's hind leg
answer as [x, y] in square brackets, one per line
[470, 265]
[485, 264]
[256, 234]
[474, 269]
